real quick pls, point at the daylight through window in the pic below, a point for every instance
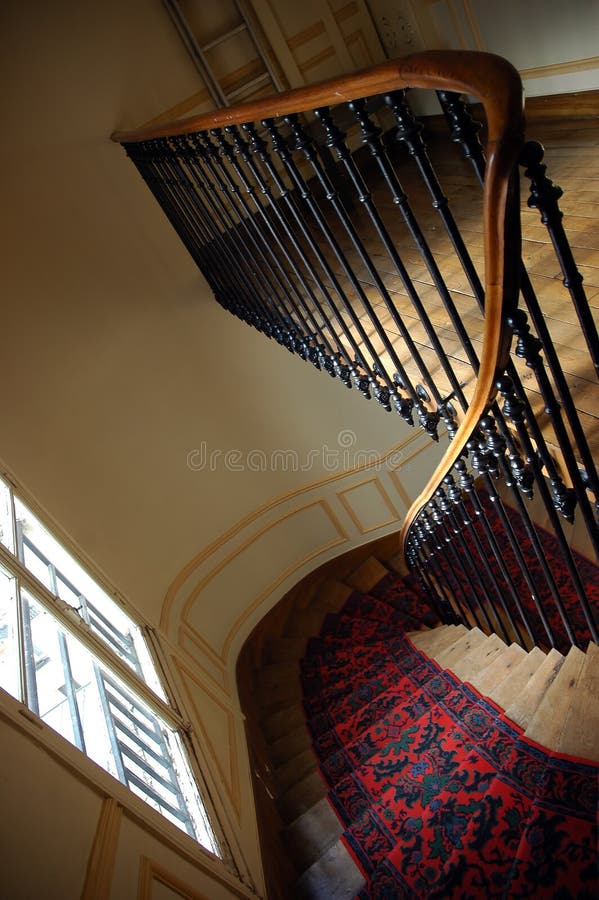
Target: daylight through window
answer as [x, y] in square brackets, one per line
[89, 682]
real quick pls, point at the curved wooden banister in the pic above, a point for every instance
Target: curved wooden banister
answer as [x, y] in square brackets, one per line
[497, 84]
[491, 78]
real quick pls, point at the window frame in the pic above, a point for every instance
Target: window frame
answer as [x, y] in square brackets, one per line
[169, 711]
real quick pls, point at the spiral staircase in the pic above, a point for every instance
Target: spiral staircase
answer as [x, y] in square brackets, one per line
[551, 697]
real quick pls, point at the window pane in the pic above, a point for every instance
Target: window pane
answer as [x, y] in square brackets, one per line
[78, 697]
[45, 668]
[9, 641]
[60, 572]
[6, 529]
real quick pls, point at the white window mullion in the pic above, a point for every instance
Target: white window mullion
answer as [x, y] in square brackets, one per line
[71, 621]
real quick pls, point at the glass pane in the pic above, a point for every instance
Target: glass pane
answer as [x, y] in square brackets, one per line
[60, 572]
[86, 703]
[44, 668]
[204, 832]
[6, 529]
[9, 638]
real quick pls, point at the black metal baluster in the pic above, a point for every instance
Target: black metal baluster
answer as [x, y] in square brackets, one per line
[288, 287]
[258, 147]
[248, 227]
[183, 218]
[245, 297]
[495, 445]
[241, 150]
[528, 348]
[335, 140]
[146, 157]
[389, 393]
[513, 411]
[464, 130]
[458, 526]
[409, 133]
[233, 291]
[440, 601]
[481, 463]
[206, 164]
[472, 585]
[428, 420]
[453, 498]
[419, 560]
[370, 135]
[544, 195]
[447, 561]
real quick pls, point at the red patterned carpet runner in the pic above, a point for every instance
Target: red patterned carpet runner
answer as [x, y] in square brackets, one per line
[440, 796]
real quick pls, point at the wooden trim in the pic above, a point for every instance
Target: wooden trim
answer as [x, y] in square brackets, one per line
[352, 513]
[473, 25]
[563, 68]
[307, 34]
[317, 59]
[577, 105]
[100, 866]
[151, 871]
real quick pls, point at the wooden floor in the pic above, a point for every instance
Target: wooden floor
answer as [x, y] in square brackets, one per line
[572, 159]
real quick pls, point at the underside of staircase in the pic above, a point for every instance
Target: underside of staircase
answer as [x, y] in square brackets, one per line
[322, 696]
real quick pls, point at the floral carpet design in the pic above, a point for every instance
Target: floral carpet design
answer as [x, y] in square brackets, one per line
[440, 796]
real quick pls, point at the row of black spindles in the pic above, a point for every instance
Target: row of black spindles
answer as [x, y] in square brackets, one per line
[275, 232]
[535, 465]
[544, 197]
[292, 280]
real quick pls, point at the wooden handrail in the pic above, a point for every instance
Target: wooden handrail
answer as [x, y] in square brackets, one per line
[498, 86]
[489, 77]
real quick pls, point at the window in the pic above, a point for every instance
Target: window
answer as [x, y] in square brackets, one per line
[70, 653]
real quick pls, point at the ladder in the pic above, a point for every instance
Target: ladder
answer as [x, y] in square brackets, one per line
[201, 52]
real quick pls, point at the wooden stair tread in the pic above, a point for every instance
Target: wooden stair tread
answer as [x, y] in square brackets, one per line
[369, 573]
[301, 796]
[295, 768]
[334, 876]
[473, 637]
[478, 658]
[398, 564]
[312, 833]
[276, 696]
[334, 594]
[276, 673]
[437, 639]
[285, 649]
[580, 736]
[498, 669]
[289, 745]
[522, 710]
[513, 683]
[547, 724]
[280, 722]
